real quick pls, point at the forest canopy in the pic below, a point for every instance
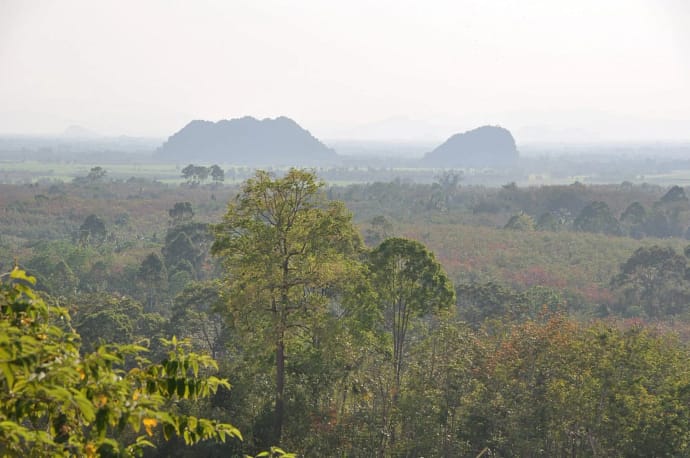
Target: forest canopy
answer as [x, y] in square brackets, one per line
[389, 319]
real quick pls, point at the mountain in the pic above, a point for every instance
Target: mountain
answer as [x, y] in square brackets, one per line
[246, 141]
[486, 146]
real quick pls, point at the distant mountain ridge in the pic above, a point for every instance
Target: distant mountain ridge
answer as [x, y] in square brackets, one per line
[246, 141]
[486, 146]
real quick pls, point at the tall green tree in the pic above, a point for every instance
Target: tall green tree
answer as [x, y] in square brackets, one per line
[480, 301]
[195, 174]
[181, 213]
[195, 316]
[96, 174]
[186, 248]
[285, 247]
[597, 217]
[152, 274]
[217, 174]
[114, 319]
[92, 231]
[410, 284]
[654, 281]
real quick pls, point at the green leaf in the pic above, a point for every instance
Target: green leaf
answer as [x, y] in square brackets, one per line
[171, 386]
[182, 388]
[19, 274]
[85, 406]
[168, 431]
[8, 373]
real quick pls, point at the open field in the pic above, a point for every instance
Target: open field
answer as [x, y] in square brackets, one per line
[31, 171]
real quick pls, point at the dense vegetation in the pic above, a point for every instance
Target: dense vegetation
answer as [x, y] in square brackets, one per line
[433, 320]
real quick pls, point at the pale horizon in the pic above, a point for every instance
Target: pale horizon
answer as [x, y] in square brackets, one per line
[568, 72]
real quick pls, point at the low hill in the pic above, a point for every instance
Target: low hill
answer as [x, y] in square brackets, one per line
[487, 146]
[246, 141]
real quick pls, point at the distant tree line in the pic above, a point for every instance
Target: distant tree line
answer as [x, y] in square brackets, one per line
[197, 174]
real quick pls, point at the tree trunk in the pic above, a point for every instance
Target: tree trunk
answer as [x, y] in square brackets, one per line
[280, 388]
[280, 350]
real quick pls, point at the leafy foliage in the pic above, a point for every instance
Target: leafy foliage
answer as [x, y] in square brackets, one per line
[92, 230]
[520, 222]
[506, 372]
[654, 281]
[56, 402]
[181, 213]
[196, 174]
[285, 250]
[597, 217]
[410, 284]
[566, 390]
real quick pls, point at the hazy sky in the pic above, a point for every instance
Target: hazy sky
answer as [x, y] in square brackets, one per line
[547, 69]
